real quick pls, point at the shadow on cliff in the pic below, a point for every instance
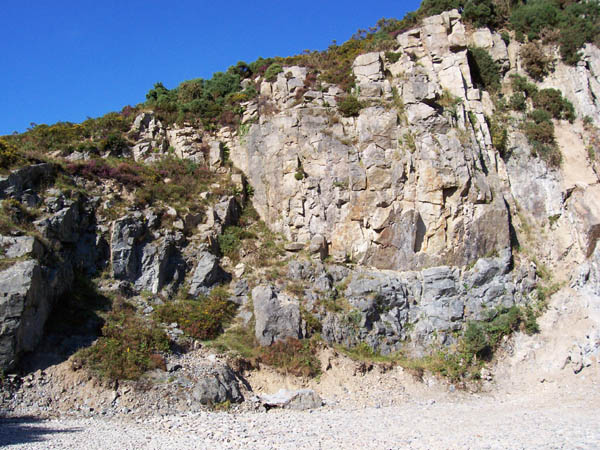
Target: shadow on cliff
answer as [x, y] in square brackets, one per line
[26, 429]
[75, 323]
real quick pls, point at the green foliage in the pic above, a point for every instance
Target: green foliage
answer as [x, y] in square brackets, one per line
[128, 347]
[313, 325]
[518, 102]
[484, 68]
[114, 144]
[272, 71]
[349, 106]
[393, 57]
[539, 131]
[9, 155]
[535, 60]
[211, 102]
[499, 136]
[293, 357]
[481, 13]
[521, 85]
[230, 241]
[534, 16]
[203, 318]
[552, 101]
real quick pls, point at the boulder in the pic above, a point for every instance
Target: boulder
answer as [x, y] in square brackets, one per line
[277, 315]
[207, 273]
[218, 386]
[299, 400]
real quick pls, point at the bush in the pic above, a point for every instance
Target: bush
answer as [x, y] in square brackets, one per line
[129, 346]
[9, 155]
[393, 57]
[484, 68]
[539, 131]
[202, 319]
[115, 145]
[231, 240]
[272, 71]
[349, 106]
[552, 101]
[517, 102]
[125, 173]
[537, 64]
[520, 84]
[293, 357]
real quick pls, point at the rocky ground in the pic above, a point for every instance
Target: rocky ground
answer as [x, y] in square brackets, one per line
[544, 417]
[533, 398]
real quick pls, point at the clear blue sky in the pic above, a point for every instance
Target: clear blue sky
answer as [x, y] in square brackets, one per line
[67, 60]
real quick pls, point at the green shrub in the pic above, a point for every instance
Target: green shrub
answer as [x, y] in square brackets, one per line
[201, 319]
[484, 68]
[533, 17]
[9, 154]
[231, 240]
[517, 102]
[293, 357]
[520, 84]
[349, 106]
[552, 101]
[535, 61]
[114, 144]
[393, 57]
[499, 137]
[480, 13]
[272, 71]
[539, 131]
[128, 347]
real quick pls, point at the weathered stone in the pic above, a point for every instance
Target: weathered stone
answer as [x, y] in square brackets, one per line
[27, 292]
[28, 177]
[219, 386]
[300, 400]
[277, 315]
[127, 233]
[16, 247]
[207, 273]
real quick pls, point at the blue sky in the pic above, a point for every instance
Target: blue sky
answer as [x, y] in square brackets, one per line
[67, 60]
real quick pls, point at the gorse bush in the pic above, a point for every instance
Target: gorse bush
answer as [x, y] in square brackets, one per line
[349, 106]
[202, 318]
[272, 71]
[485, 70]
[537, 64]
[292, 356]
[9, 154]
[128, 347]
[552, 101]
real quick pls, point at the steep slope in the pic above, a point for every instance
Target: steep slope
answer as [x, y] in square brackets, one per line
[425, 212]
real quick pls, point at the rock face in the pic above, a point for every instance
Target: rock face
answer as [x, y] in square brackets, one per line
[386, 308]
[27, 292]
[277, 315]
[150, 264]
[401, 188]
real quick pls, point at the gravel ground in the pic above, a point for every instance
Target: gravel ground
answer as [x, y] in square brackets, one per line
[517, 421]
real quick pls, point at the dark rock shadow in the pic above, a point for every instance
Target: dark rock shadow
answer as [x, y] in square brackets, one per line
[26, 429]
